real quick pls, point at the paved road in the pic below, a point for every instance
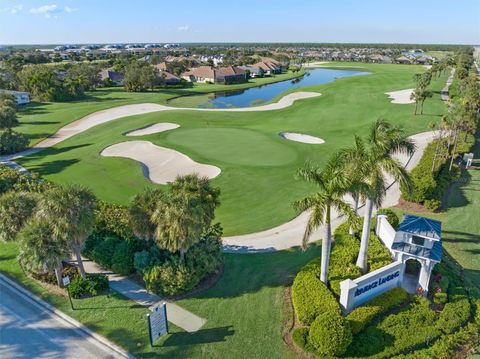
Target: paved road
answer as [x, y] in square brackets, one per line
[27, 330]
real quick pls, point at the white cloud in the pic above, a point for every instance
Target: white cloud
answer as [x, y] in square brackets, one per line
[70, 9]
[183, 28]
[12, 10]
[46, 10]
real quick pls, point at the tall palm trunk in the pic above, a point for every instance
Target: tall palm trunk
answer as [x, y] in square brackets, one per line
[78, 254]
[416, 106]
[58, 274]
[453, 152]
[182, 255]
[351, 230]
[362, 254]
[326, 244]
[421, 107]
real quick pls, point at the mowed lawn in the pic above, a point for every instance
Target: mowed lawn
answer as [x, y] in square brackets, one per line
[244, 310]
[258, 180]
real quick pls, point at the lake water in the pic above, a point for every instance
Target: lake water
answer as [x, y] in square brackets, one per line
[256, 96]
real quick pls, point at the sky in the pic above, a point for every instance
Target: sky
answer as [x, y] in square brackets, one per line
[123, 21]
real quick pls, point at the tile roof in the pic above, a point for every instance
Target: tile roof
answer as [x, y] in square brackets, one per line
[422, 226]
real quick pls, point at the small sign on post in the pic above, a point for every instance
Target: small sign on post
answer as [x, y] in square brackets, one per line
[66, 284]
[157, 322]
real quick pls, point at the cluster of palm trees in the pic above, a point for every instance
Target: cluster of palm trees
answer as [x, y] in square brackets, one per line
[50, 225]
[175, 219]
[361, 173]
[462, 116]
[420, 93]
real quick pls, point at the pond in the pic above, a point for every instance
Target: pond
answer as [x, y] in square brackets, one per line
[257, 96]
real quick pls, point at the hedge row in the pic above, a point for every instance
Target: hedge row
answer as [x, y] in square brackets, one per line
[345, 252]
[363, 315]
[310, 296]
[428, 186]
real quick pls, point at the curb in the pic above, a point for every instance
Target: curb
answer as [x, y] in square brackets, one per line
[78, 326]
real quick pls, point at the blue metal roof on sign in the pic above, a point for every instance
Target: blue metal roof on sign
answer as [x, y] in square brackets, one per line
[434, 253]
[422, 226]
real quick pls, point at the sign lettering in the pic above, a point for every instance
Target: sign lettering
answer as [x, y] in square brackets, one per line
[377, 283]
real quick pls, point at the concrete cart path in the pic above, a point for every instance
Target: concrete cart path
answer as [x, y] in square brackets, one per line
[182, 318]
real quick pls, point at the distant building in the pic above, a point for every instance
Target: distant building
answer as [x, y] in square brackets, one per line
[253, 71]
[168, 78]
[21, 98]
[114, 77]
[223, 75]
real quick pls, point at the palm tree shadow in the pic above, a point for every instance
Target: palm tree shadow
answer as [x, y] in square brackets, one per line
[203, 336]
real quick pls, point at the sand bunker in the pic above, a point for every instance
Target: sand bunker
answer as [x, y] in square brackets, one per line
[155, 128]
[401, 97]
[300, 137]
[161, 165]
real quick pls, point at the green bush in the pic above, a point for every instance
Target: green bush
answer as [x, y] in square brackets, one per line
[439, 298]
[205, 257]
[310, 296]
[170, 278]
[122, 259]
[92, 241]
[330, 334]
[103, 252]
[112, 219]
[300, 338]
[391, 217]
[363, 315]
[12, 142]
[454, 314]
[91, 285]
[432, 204]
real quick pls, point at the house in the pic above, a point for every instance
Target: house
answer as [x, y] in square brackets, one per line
[208, 74]
[403, 60]
[253, 71]
[161, 66]
[231, 74]
[168, 78]
[21, 98]
[269, 67]
[113, 77]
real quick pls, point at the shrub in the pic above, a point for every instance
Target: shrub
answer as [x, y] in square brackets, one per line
[122, 259]
[300, 338]
[454, 315]
[310, 296]
[12, 142]
[91, 285]
[170, 278]
[391, 216]
[330, 334]
[363, 315]
[439, 298]
[92, 241]
[103, 252]
[432, 204]
[205, 257]
[112, 219]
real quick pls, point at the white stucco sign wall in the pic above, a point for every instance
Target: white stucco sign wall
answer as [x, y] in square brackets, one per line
[362, 289]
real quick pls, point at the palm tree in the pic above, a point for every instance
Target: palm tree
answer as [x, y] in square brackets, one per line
[70, 210]
[185, 213]
[377, 160]
[332, 185]
[16, 208]
[141, 210]
[423, 96]
[40, 249]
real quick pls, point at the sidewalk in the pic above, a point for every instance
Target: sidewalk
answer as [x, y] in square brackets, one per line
[177, 315]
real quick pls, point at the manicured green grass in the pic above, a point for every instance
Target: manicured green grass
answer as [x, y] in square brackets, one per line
[40, 120]
[257, 180]
[244, 310]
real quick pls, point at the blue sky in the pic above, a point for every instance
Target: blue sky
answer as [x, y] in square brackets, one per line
[99, 21]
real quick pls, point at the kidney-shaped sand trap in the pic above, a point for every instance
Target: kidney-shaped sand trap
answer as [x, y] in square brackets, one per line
[161, 165]
[401, 97]
[299, 137]
[155, 128]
